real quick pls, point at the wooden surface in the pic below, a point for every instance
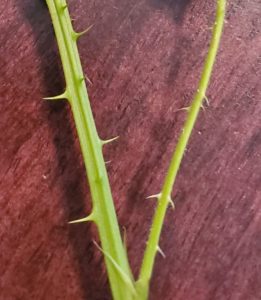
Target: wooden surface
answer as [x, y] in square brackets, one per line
[144, 59]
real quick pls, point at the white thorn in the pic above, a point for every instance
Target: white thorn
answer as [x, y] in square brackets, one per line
[58, 97]
[88, 79]
[86, 219]
[161, 252]
[203, 107]
[187, 108]
[156, 196]
[171, 202]
[207, 101]
[79, 34]
[109, 140]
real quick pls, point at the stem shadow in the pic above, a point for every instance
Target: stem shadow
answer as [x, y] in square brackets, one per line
[176, 7]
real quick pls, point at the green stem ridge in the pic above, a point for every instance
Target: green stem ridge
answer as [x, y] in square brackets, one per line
[164, 197]
[103, 213]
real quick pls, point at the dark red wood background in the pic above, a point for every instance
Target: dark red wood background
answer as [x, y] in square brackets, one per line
[144, 59]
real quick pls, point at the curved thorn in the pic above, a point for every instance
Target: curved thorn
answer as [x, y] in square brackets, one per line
[161, 252]
[77, 35]
[118, 268]
[206, 99]
[203, 107]
[186, 108]
[86, 219]
[171, 203]
[109, 141]
[58, 97]
[157, 196]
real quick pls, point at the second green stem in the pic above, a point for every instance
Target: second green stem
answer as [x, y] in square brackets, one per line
[164, 198]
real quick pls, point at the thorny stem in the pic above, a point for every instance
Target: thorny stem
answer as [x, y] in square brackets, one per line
[165, 196]
[103, 213]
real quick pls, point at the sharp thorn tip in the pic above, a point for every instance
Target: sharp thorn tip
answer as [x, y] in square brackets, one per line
[79, 34]
[109, 140]
[58, 97]
[161, 252]
[171, 202]
[156, 196]
[187, 108]
[86, 219]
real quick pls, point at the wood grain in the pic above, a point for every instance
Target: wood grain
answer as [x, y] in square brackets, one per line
[144, 59]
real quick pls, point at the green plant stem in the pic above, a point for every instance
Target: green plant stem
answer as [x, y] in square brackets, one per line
[165, 196]
[103, 212]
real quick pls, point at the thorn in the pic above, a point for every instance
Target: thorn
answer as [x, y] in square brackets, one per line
[207, 101]
[64, 6]
[124, 276]
[161, 252]
[107, 162]
[59, 97]
[86, 219]
[203, 107]
[77, 35]
[171, 202]
[109, 141]
[187, 108]
[88, 79]
[97, 245]
[157, 196]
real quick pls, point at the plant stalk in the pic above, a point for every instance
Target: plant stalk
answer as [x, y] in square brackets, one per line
[103, 211]
[164, 198]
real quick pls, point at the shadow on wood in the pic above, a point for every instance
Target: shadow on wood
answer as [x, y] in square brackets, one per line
[70, 169]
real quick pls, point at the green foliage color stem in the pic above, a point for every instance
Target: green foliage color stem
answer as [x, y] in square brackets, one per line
[164, 197]
[103, 213]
